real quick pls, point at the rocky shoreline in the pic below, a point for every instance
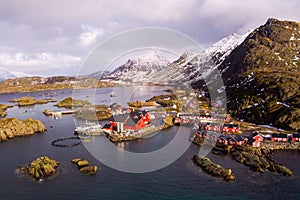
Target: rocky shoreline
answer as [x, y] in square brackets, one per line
[257, 159]
[13, 127]
[3, 108]
[280, 145]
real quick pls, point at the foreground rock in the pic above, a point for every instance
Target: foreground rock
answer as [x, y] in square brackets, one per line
[259, 160]
[84, 167]
[88, 170]
[40, 168]
[3, 108]
[72, 103]
[28, 101]
[213, 169]
[13, 127]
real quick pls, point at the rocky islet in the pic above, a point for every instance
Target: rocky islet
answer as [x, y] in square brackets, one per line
[41, 167]
[13, 127]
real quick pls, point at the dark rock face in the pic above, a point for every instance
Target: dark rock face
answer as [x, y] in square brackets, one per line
[262, 76]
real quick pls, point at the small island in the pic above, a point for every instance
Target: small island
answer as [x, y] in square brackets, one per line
[70, 103]
[13, 127]
[41, 167]
[29, 101]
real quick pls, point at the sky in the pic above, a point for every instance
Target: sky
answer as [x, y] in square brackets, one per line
[50, 38]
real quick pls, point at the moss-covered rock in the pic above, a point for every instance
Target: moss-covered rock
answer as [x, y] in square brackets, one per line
[42, 167]
[12, 127]
[84, 167]
[76, 160]
[88, 170]
[82, 163]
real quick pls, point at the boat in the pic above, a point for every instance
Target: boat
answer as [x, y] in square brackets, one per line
[177, 121]
[89, 129]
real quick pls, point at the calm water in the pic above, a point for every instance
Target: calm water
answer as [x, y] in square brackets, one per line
[180, 180]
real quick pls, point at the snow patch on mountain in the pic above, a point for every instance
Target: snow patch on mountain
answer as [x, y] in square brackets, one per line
[141, 69]
[189, 67]
[7, 74]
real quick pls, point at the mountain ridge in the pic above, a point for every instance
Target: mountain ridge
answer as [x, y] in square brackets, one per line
[7, 74]
[262, 76]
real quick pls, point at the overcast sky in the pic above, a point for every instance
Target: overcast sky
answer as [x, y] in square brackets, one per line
[45, 38]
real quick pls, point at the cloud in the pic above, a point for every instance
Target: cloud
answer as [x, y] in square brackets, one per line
[89, 35]
[63, 28]
[240, 16]
[156, 10]
[32, 63]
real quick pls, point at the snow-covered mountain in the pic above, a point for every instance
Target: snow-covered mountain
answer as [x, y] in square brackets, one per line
[140, 69]
[196, 65]
[7, 74]
[188, 68]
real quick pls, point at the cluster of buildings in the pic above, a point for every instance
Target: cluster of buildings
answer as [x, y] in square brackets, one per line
[188, 119]
[254, 139]
[127, 120]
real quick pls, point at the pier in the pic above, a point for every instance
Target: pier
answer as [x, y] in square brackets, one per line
[58, 114]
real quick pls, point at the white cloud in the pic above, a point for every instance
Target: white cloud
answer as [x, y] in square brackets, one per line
[89, 35]
[30, 63]
[156, 10]
[65, 27]
[240, 16]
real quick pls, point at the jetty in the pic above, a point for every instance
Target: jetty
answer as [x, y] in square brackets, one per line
[58, 114]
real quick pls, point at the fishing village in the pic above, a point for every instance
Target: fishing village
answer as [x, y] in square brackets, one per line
[209, 125]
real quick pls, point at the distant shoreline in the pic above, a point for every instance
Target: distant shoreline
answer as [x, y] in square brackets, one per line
[34, 90]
